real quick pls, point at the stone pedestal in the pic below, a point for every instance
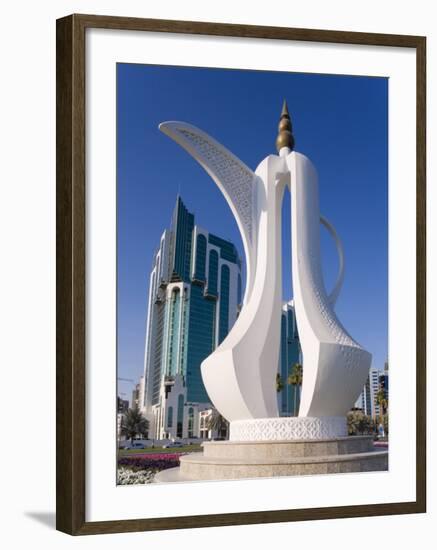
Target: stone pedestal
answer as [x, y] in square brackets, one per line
[252, 459]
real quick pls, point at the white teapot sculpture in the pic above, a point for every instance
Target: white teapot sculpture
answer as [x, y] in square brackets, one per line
[239, 375]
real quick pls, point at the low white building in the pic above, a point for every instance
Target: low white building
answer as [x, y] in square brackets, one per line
[367, 400]
[173, 417]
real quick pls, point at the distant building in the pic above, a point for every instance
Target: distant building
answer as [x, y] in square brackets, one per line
[206, 430]
[368, 401]
[365, 401]
[374, 386]
[194, 300]
[138, 394]
[122, 405]
[289, 354]
[122, 408]
[119, 421]
[135, 396]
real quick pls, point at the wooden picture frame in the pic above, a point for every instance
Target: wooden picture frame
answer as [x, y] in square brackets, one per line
[71, 254]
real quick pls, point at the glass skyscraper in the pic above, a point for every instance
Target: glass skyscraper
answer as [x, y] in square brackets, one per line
[289, 354]
[194, 300]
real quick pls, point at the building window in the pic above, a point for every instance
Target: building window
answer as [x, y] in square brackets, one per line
[239, 290]
[213, 273]
[200, 258]
[203, 427]
[174, 332]
[170, 417]
[180, 420]
[191, 422]
[224, 303]
[200, 342]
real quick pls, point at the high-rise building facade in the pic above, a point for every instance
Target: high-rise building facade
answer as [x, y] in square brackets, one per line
[194, 300]
[122, 405]
[368, 400]
[289, 355]
[383, 380]
[365, 400]
[138, 394]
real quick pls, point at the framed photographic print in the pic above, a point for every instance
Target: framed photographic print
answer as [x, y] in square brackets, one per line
[240, 274]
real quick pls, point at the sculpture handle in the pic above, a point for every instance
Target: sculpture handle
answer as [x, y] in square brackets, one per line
[340, 275]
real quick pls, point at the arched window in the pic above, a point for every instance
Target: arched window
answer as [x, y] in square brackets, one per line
[174, 332]
[199, 273]
[170, 417]
[190, 422]
[180, 420]
[213, 273]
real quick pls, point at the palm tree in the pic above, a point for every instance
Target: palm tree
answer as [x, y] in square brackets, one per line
[133, 423]
[295, 379]
[218, 423]
[279, 383]
[363, 424]
[352, 422]
[382, 402]
[358, 422]
[383, 405]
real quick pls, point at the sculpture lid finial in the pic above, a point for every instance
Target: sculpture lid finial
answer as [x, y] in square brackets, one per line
[285, 136]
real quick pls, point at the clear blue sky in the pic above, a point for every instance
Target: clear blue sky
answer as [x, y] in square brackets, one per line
[339, 122]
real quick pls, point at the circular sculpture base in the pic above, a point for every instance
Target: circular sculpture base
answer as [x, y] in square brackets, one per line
[246, 459]
[288, 428]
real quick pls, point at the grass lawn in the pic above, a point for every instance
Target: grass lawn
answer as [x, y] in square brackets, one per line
[186, 449]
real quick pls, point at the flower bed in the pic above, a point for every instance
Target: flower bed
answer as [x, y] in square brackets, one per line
[383, 444]
[126, 476]
[155, 462]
